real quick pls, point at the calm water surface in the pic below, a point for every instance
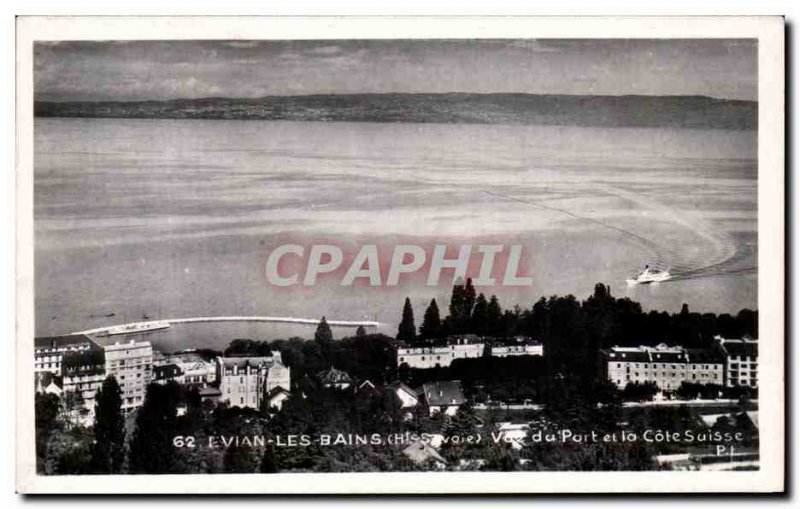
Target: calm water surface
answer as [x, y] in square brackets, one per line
[175, 218]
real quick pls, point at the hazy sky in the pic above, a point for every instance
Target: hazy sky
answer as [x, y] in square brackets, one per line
[134, 70]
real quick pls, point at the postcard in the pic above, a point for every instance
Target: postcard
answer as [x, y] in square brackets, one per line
[400, 255]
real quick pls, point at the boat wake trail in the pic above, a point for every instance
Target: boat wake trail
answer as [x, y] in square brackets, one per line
[642, 241]
[696, 249]
[709, 255]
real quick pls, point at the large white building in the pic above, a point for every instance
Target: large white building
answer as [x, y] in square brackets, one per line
[666, 366]
[245, 381]
[131, 364]
[460, 347]
[518, 350]
[741, 355]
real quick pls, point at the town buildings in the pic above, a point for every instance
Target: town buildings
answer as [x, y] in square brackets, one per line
[468, 346]
[83, 373]
[197, 372]
[245, 381]
[457, 347]
[666, 366]
[741, 367]
[131, 364]
[521, 348]
[49, 351]
[444, 396]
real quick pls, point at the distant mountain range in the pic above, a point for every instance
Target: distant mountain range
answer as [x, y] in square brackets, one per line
[529, 109]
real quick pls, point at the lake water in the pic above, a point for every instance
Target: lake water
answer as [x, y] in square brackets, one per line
[175, 218]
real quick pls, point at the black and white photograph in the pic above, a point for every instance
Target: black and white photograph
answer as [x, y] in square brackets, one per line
[439, 255]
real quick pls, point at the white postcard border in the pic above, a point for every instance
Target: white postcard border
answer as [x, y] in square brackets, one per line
[771, 242]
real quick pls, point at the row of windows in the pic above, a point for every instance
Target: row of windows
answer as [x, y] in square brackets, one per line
[672, 366]
[122, 365]
[674, 375]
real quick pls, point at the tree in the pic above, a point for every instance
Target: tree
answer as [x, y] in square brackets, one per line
[635, 391]
[323, 334]
[431, 327]
[469, 301]
[407, 331]
[151, 450]
[108, 452]
[461, 304]
[46, 410]
[479, 320]
[495, 317]
[240, 460]
[74, 408]
[360, 332]
[324, 338]
[269, 464]
[457, 303]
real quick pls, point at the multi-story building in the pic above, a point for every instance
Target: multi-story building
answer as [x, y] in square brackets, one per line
[49, 351]
[83, 373]
[131, 364]
[705, 366]
[668, 367]
[245, 381]
[520, 348]
[457, 347]
[741, 361]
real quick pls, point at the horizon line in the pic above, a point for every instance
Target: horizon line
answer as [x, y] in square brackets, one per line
[452, 93]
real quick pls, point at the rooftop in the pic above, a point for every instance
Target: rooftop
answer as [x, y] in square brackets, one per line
[708, 355]
[399, 386]
[276, 391]
[739, 347]
[333, 376]
[63, 341]
[659, 353]
[166, 371]
[243, 362]
[445, 393]
[127, 345]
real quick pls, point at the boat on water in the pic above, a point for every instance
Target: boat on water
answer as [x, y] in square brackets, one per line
[133, 328]
[649, 275]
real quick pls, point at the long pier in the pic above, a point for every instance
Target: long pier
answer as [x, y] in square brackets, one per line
[154, 324]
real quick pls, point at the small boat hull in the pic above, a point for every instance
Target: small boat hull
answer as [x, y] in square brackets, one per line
[650, 279]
